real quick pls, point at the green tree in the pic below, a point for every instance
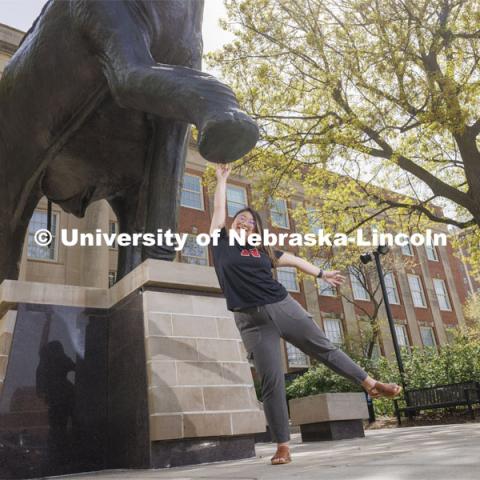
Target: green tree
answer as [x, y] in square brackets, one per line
[387, 90]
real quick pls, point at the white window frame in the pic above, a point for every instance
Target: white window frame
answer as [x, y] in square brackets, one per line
[327, 323]
[392, 288]
[114, 230]
[429, 250]
[112, 278]
[202, 208]
[293, 353]
[313, 227]
[111, 230]
[289, 271]
[205, 249]
[377, 351]
[326, 289]
[431, 332]
[447, 306]
[421, 291]
[402, 335]
[56, 216]
[231, 187]
[323, 287]
[356, 284]
[285, 213]
[407, 249]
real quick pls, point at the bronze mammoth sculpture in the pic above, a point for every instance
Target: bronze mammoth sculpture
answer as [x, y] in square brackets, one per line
[97, 103]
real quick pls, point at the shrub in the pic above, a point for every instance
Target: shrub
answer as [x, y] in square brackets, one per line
[456, 362]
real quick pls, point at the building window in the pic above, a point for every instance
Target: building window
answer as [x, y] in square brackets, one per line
[416, 290]
[442, 294]
[431, 253]
[296, 358]
[333, 330]
[314, 223]
[287, 276]
[236, 199]
[113, 227]
[392, 290]
[112, 278]
[194, 253]
[407, 249]
[375, 351]
[402, 337]
[192, 192]
[358, 290]
[428, 337]
[279, 213]
[113, 230]
[325, 288]
[39, 222]
[451, 334]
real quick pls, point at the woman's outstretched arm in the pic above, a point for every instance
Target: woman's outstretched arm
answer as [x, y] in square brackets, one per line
[331, 276]
[219, 205]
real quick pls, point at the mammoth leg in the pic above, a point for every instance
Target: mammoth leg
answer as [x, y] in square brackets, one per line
[176, 92]
[126, 208]
[12, 236]
[180, 93]
[167, 164]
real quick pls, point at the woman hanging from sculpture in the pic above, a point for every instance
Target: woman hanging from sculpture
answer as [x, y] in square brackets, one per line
[264, 312]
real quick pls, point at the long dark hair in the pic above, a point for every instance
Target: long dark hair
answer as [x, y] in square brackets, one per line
[259, 229]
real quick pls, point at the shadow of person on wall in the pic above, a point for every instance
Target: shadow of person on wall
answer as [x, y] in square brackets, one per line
[53, 385]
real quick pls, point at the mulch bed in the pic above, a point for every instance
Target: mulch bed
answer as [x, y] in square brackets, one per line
[427, 418]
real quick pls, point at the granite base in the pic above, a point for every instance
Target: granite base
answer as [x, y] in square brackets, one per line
[335, 430]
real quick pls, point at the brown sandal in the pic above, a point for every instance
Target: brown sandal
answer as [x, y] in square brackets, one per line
[282, 456]
[387, 390]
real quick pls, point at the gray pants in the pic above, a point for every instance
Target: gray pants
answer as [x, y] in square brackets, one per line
[261, 329]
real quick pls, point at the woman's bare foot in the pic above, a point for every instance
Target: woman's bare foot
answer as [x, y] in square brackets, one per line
[282, 455]
[387, 390]
[378, 389]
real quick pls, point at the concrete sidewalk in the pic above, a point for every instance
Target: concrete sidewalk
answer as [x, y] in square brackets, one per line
[424, 453]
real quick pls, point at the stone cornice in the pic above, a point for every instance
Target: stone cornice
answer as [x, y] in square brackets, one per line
[151, 273]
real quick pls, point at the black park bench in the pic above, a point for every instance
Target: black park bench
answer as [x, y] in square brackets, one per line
[441, 396]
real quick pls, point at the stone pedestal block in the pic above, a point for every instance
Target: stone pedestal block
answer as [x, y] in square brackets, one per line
[329, 416]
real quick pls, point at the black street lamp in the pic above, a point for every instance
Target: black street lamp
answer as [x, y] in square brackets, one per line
[366, 258]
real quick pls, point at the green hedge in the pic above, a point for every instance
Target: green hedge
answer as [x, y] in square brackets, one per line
[458, 361]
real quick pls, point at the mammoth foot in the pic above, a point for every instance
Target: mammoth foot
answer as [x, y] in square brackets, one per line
[159, 252]
[227, 136]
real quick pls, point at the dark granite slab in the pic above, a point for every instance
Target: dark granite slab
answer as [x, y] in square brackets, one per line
[336, 430]
[190, 451]
[53, 406]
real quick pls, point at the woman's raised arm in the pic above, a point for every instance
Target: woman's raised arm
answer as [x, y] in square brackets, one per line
[334, 277]
[219, 205]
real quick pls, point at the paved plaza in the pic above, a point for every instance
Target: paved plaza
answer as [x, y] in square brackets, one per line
[423, 453]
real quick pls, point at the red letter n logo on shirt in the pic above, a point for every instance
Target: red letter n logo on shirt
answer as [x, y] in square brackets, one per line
[246, 253]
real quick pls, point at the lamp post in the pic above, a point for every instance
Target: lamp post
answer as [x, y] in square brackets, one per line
[366, 258]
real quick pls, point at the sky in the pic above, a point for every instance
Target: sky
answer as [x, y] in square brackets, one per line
[21, 14]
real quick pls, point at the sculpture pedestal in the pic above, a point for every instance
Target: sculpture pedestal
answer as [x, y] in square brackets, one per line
[336, 430]
[149, 373]
[200, 385]
[329, 416]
